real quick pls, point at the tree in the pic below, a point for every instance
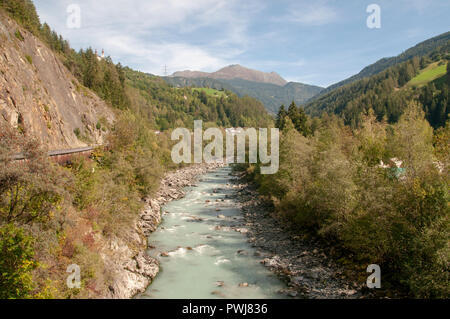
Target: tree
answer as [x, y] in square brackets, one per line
[16, 263]
[448, 73]
[442, 145]
[292, 112]
[281, 117]
[31, 190]
[299, 119]
[412, 140]
[372, 139]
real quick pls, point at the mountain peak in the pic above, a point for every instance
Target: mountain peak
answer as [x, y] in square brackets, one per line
[236, 71]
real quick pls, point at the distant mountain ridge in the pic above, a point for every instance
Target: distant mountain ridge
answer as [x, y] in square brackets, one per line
[236, 71]
[270, 88]
[271, 95]
[421, 49]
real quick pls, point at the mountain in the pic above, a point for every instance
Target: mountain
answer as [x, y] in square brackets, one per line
[423, 78]
[271, 89]
[421, 49]
[236, 71]
[167, 107]
[191, 74]
[41, 98]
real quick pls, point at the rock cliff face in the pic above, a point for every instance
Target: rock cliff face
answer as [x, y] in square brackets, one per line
[41, 98]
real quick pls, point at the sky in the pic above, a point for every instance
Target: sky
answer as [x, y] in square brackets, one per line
[317, 42]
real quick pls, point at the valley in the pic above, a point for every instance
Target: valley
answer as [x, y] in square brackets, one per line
[359, 174]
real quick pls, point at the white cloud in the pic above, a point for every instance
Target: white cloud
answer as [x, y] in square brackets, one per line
[312, 14]
[152, 56]
[147, 34]
[419, 5]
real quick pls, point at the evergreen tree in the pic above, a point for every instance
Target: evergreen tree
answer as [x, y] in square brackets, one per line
[281, 117]
[298, 118]
[292, 112]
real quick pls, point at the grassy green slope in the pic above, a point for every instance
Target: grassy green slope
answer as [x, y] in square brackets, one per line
[210, 92]
[430, 73]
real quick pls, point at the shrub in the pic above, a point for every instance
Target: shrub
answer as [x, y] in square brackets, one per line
[19, 35]
[77, 132]
[29, 59]
[16, 263]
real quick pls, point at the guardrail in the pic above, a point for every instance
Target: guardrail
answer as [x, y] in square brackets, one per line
[59, 153]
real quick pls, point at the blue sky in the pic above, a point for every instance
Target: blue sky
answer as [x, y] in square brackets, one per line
[316, 42]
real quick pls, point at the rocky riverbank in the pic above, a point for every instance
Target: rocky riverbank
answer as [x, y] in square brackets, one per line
[131, 268]
[304, 265]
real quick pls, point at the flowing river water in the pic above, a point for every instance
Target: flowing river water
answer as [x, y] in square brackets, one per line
[203, 250]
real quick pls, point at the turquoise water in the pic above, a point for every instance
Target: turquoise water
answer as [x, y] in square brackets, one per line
[207, 258]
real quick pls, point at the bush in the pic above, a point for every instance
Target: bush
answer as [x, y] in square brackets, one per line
[30, 191]
[16, 263]
[29, 59]
[77, 132]
[19, 35]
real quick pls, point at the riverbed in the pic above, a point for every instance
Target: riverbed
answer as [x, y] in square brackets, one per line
[203, 249]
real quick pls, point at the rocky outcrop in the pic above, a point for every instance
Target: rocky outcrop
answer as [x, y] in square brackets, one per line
[41, 98]
[126, 259]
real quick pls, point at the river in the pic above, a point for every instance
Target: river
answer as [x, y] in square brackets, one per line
[203, 250]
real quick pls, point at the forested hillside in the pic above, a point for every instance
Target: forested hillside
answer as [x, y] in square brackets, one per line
[167, 107]
[53, 216]
[389, 92]
[422, 49]
[108, 80]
